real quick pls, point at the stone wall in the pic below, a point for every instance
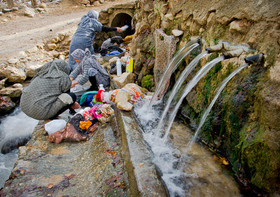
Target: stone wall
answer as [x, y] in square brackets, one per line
[243, 125]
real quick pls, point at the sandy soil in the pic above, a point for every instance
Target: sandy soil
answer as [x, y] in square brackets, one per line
[20, 33]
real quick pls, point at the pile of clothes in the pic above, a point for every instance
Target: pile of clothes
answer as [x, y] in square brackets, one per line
[83, 124]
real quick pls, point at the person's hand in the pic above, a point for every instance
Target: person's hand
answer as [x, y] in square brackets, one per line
[75, 105]
[73, 84]
[119, 29]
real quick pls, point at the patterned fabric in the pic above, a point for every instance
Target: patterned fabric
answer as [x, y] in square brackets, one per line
[89, 67]
[134, 92]
[39, 99]
[84, 35]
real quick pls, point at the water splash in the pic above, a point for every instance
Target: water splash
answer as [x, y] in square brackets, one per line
[15, 125]
[178, 84]
[172, 66]
[187, 89]
[220, 89]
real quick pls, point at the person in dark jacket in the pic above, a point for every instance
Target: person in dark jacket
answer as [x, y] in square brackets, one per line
[48, 93]
[90, 70]
[85, 33]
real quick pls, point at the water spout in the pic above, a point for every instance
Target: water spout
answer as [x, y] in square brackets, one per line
[255, 59]
[172, 66]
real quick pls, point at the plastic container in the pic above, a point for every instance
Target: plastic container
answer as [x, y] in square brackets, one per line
[125, 27]
[101, 87]
[119, 67]
[129, 65]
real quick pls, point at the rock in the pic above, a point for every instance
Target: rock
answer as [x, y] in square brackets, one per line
[51, 46]
[13, 143]
[2, 83]
[29, 12]
[41, 10]
[6, 105]
[22, 55]
[1, 13]
[11, 92]
[42, 5]
[275, 72]
[211, 19]
[96, 3]
[200, 17]
[168, 16]
[85, 2]
[13, 74]
[124, 79]
[15, 9]
[30, 69]
[5, 10]
[17, 85]
[13, 61]
[239, 26]
[177, 32]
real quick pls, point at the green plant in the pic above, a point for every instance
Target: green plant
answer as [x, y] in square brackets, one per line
[147, 82]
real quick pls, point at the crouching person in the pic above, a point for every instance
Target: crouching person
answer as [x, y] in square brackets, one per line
[48, 93]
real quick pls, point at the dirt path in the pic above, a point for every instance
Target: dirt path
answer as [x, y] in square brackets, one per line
[21, 33]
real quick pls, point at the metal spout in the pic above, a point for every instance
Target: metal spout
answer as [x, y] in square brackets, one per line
[255, 59]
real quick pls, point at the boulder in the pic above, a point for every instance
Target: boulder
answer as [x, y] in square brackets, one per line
[2, 83]
[13, 74]
[29, 12]
[6, 105]
[11, 92]
[177, 32]
[124, 79]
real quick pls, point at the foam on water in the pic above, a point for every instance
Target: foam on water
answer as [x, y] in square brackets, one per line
[164, 155]
[15, 125]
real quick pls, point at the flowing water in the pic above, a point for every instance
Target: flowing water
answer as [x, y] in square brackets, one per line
[187, 89]
[13, 126]
[180, 81]
[220, 89]
[184, 168]
[171, 67]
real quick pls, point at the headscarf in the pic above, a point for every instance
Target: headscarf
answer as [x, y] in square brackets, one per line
[93, 14]
[78, 54]
[53, 69]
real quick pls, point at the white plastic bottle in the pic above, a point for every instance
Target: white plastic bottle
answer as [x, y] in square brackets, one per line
[124, 27]
[101, 87]
[119, 67]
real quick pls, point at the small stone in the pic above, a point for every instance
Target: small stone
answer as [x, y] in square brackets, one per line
[13, 61]
[42, 5]
[51, 46]
[29, 12]
[5, 10]
[177, 32]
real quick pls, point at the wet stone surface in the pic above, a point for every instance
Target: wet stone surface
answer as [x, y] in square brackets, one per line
[94, 167]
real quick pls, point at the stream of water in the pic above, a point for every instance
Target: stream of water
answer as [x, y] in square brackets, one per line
[15, 125]
[174, 162]
[171, 67]
[207, 111]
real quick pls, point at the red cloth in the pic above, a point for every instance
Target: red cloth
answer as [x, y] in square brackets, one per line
[98, 96]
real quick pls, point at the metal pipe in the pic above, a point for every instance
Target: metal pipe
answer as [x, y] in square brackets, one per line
[254, 59]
